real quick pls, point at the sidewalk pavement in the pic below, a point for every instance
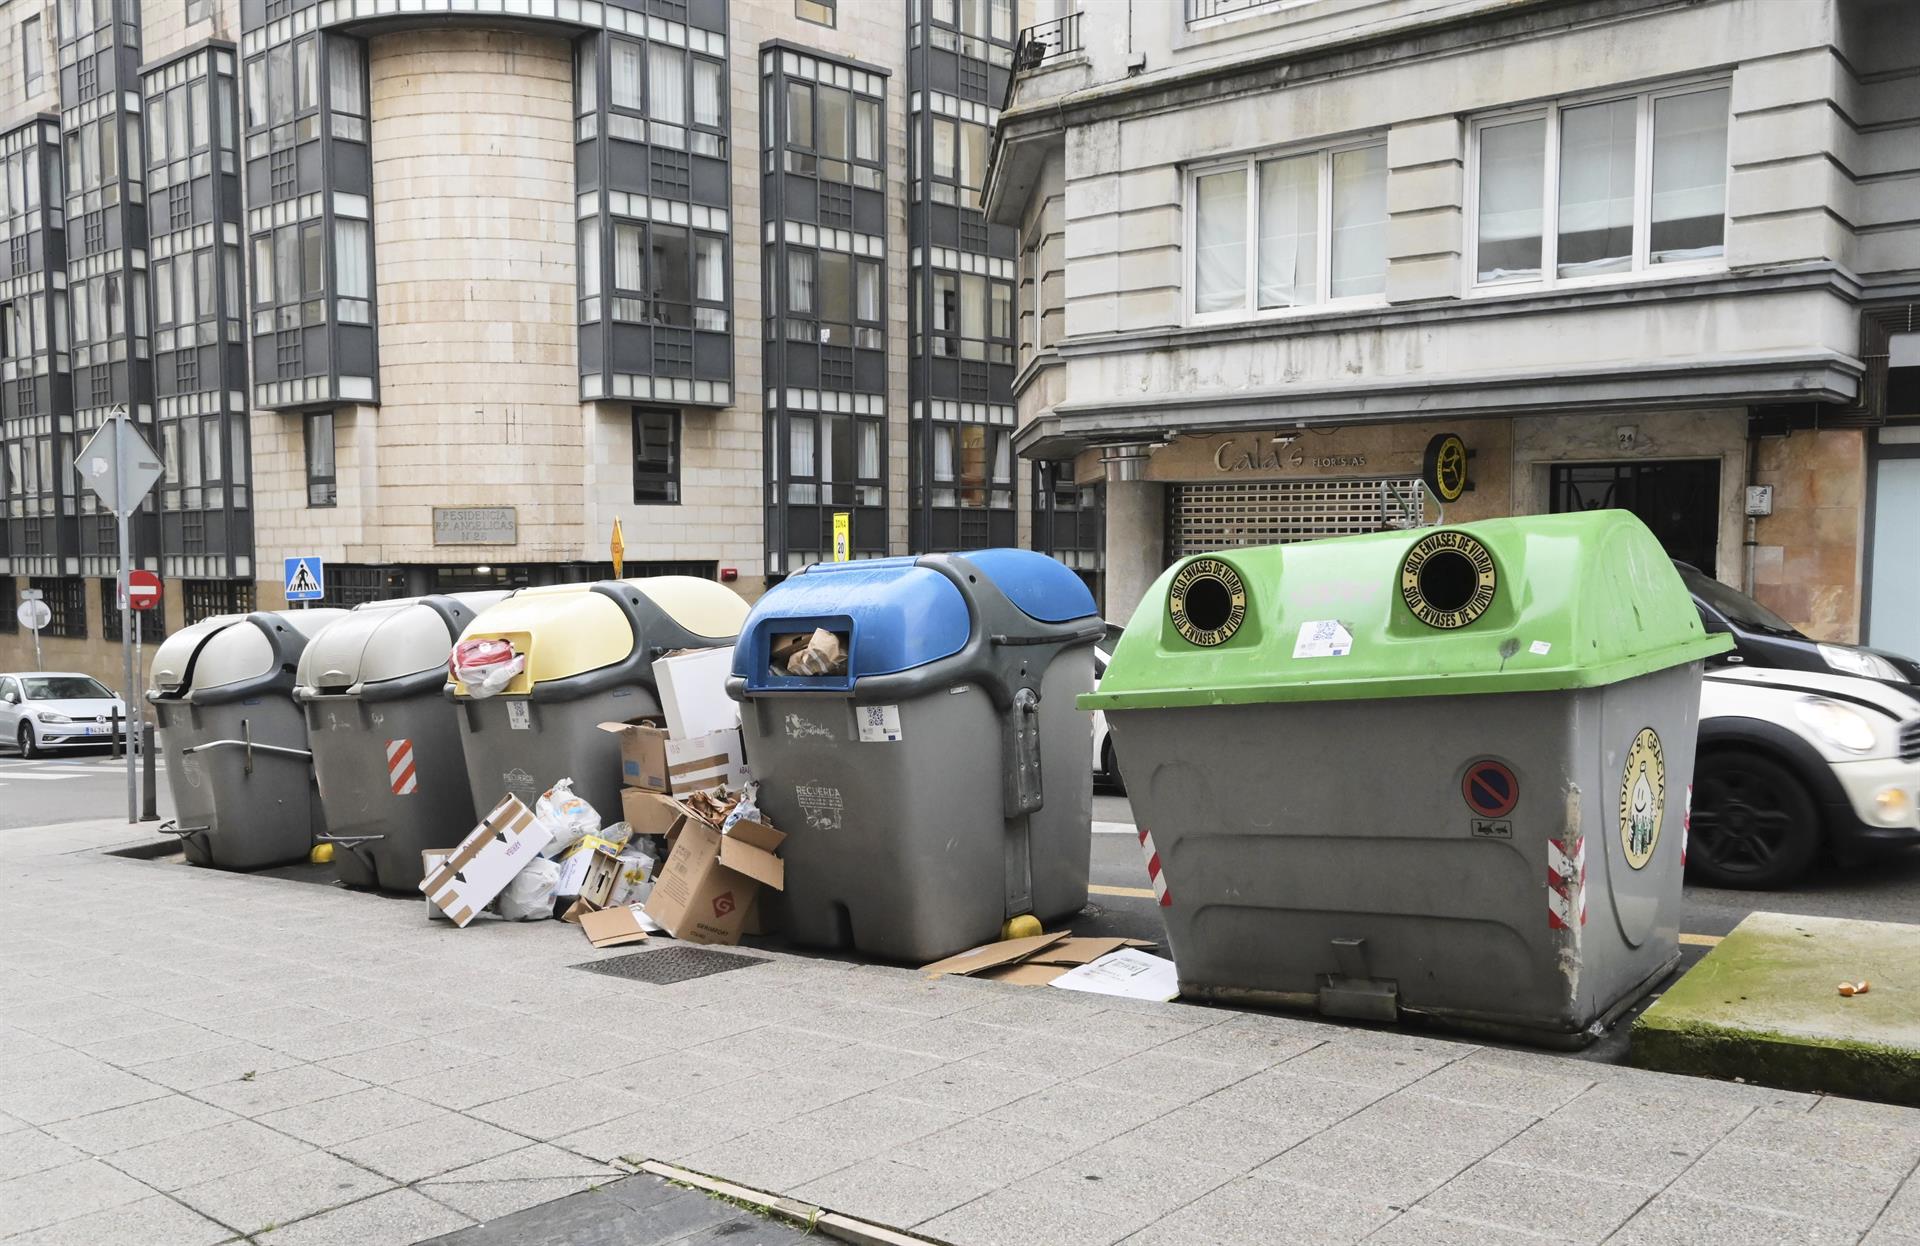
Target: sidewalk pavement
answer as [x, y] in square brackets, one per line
[190, 1055]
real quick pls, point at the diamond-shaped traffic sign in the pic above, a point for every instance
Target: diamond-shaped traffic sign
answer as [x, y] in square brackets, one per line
[119, 465]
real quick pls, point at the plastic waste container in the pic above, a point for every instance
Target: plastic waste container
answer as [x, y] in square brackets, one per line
[943, 782]
[234, 742]
[588, 651]
[386, 746]
[1439, 772]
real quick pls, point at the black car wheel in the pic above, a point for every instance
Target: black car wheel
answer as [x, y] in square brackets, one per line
[29, 746]
[1754, 825]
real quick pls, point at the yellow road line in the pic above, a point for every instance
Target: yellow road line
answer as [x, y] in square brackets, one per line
[1701, 940]
[1143, 893]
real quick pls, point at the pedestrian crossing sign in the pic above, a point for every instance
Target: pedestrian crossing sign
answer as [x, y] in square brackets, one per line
[306, 579]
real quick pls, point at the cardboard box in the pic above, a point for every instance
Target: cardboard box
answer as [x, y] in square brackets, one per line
[486, 861]
[652, 813]
[576, 860]
[613, 927]
[693, 692]
[710, 880]
[429, 862]
[643, 754]
[634, 882]
[708, 761]
[1034, 961]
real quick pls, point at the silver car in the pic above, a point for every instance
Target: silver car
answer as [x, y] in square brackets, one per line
[53, 709]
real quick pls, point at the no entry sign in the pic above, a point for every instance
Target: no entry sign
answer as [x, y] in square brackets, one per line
[143, 590]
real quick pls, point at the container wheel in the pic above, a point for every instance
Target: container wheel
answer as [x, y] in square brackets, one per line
[1755, 826]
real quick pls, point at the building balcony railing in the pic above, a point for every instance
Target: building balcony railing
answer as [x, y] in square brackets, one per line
[1213, 10]
[1043, 42]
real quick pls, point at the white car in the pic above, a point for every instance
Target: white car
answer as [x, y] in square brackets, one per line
[1105, 767]
[1792, 763]
[51, 709]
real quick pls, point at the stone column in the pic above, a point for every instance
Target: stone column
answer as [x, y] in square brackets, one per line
[1136, 543]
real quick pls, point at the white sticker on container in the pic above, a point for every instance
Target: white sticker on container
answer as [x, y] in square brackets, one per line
[518, 717]
[1540, 647]
[879, 724]
[1323, 638]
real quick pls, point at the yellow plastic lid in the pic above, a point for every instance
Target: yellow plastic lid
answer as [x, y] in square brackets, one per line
[703, 607]
[562, 629]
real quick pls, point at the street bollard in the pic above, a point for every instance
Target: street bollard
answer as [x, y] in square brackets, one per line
[149, 784]
[116, 733]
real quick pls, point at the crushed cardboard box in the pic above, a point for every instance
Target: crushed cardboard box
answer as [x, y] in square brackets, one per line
[653, 760]
[1034, 961]
[710, 880]
[693, 692]
[652, 813]
[616, 877]
[615, 926]
[480, 868]
[577, 860]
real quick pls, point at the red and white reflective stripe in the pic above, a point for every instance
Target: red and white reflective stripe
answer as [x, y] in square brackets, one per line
[1686, 826]
[1566, 884]
[401, 776]
[1153, 868]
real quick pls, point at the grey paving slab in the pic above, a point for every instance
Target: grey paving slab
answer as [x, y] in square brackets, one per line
[341, 1038]
[119, 1129]
[64, 1193]
[342, 1118]
[1238, 1142]
[1381, 1066]
[213, 1066]
[1677, 1220]
[885, 1191]
[43, 1100]
[606, 1217]
[1247, 1212]
[561, 1109]
[519, 1179]
[396, 1062]
[1887, 1237]
[1516, 1090]
[1902, 1212]
[652, 1134]
[993, 1149]
[968, 1086]
[1797, 1185]
[169, 1038]
[470, 1085]
[152, 1221]
[1128, 1179]
[1447, 1123]
[1084, 1113]
[274, 1091]
[1854, 1140]
[1056, 1057]
[426, 1148]
[395, 1216]
[219, 1151]
[1615, 1153]
[281, 1193]
[30, 1150]
[1399, 1169]
[1016, 1217]
[1419, 1227]
[1285, 1097]
[1177, 1079]
[1537, 1200]
[953, 1038]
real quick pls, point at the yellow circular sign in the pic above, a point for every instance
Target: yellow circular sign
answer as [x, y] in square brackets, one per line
[1446, 467]
[1643, 798]
[1208, 602]
[1448, 580]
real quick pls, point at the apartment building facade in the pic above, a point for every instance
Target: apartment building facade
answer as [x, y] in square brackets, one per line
[436, 291]
[1293, 268]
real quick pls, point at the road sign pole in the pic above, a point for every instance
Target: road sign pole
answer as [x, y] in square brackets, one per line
[38, 663]
[126, 650]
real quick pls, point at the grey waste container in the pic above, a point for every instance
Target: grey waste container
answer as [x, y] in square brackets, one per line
[386, 745]
[589, 651]
[234, 742]
[1436, 773]
[944, 782]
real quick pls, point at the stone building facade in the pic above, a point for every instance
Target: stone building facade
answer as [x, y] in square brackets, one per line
[1274, 253]
[438, 291]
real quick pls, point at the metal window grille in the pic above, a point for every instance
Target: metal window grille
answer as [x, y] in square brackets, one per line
[1279, 512]
[93, 229]
[101, 384]
[87, 78]
[280, 173]
[180, 205]
[66, 600]
[350, 586]
[286, 352]
[9, 606]
[186, 371]
[19, 254]
[206, 598]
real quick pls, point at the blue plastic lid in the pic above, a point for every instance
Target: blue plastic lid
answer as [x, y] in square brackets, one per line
[896, 616]
[1042, 588]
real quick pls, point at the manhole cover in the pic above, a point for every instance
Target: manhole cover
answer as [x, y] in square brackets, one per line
[667, 965]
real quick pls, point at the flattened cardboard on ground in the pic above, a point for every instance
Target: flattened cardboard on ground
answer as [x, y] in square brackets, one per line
[1129, 973]
[612, 927]
[643, 754]
[710, 880]
[486, 861]
[1050, 962]
[693, 692]
[992, 955]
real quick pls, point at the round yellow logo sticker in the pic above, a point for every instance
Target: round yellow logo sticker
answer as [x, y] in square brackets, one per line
[1207, 602]
[1445, 468]
[1643, 798]
[1448, 580]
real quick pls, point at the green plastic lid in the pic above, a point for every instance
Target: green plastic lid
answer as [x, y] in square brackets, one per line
[1537, 603]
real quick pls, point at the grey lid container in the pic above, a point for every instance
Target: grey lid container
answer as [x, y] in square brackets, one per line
[385, 740]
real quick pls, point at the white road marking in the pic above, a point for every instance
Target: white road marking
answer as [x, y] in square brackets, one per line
[44, 778]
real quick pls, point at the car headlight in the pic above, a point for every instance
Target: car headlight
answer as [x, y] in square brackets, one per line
[1842, 726]
[1850, 661]
[47, 716]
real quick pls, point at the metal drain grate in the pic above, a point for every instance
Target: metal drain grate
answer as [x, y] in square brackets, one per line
[668, 965]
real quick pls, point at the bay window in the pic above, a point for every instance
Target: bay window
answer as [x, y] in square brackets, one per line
[1292, 230]
[1594, 188]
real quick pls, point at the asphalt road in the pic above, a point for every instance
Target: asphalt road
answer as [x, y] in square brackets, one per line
[66, 786]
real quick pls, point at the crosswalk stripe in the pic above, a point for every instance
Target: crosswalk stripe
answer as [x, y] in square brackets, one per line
[43, 778]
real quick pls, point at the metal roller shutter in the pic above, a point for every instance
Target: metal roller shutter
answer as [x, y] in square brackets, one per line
[1279, 512]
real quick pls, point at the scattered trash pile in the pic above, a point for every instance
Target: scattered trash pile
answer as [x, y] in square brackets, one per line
[687, 858]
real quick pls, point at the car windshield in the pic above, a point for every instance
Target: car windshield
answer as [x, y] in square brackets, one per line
[1740, 610]
[64, 688]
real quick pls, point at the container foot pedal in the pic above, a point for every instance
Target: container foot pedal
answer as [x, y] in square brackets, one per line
[1352, 992]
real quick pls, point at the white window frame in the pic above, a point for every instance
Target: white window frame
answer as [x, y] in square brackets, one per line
[1323, 277]
[1640, 267]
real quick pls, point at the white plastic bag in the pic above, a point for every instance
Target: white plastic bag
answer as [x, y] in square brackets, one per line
[529, 897]
[485, 666]
[566, 815]
[748, 808]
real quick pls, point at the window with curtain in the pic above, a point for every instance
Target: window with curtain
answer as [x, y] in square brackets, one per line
[832, 121]
[666, 84]
[586, 75]
[589, 258]
[867, 293]
[1569, 191]
[623, 75]
[708, 94]
[322, 485]
[800, 459]
[799, 115]
[709, 268]
[1290, 231]
[346, 76]
[656, 456]
[866, 130]
[352, 259]
[800, 284]
[629, 263]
